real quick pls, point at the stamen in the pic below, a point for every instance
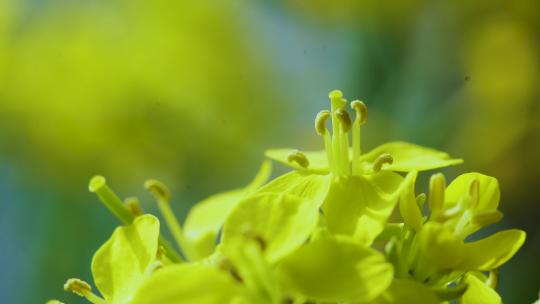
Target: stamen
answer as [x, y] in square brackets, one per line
[437, 185]
[320, 122]
[134, 206]
[344, 119]
[320, 127]
[83, 289]
[98, 185]
[384, 158]
[493, 279]
[299, 158]
[161, 194]
[361, 118]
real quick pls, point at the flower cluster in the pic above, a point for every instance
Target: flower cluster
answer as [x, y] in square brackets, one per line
[325, 232]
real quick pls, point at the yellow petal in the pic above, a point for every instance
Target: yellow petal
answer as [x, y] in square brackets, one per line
[188, 284]
[360, 205]
[312, 187]
[408, 207]
[493, 251]
[282, 221]
[407, 292]
[409, 157]
[479, 292]
[119, 266]
[336, 270]
[440, 245]
[206, 218]
[488, 196]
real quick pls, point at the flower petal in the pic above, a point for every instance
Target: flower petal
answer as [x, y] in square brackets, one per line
[488, 196]
[318, 162]
[408, 207]
[493, 251]
[312, 187]
[405, 292]
[479, 292]
[188, 284]
[282, 221]
[440, 245]
[335, 270]
[409, 157]
[360, 205]
[206, 218]
[119, 265]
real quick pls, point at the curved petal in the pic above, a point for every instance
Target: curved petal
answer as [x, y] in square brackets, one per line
[493, 251]
[188, 284]
[282, 222]
[318, 163]
[440, 246]
[488, 194]
[119, 265]
[409, 157]
[360, 205]
[406, 292]
[408, 207]
[312, 187]
[479, 292]
[206, 218]
[336, 270]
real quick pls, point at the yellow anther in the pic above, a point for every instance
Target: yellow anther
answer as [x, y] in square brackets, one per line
[320, 122]
[299, 158]
[335, 95]
[344, 119]
[384, 158]
[161, 253]
[134, 206]
[437, 185]
[361, 111]
[97, 182]
[78, 287]
[158, 189]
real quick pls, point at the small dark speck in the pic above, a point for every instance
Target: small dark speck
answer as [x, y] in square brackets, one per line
[305, 52]
[467, 78]
[188, 187]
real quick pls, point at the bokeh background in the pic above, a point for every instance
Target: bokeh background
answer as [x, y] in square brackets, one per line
[192, 92]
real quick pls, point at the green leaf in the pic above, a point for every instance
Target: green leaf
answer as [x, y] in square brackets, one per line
[188, 284]
[360, 205]
[408, 207]
[120, 265]
[282, 221]
[488, 196]
[318, 162]
[336, 270]
[206, 218]
[409, 157]
[406, 292]
[479, 292]
[493, 251]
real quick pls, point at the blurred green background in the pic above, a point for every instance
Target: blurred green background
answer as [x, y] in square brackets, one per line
[192, 92]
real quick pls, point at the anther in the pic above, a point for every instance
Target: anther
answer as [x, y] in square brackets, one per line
[384, 158]
[320, 122]
[134, 206]
[79, 287]
[437, 185]
[98, 185]
[299, 158]
[335, 95]
[344, 119]
[158, 189]
[361, 111]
